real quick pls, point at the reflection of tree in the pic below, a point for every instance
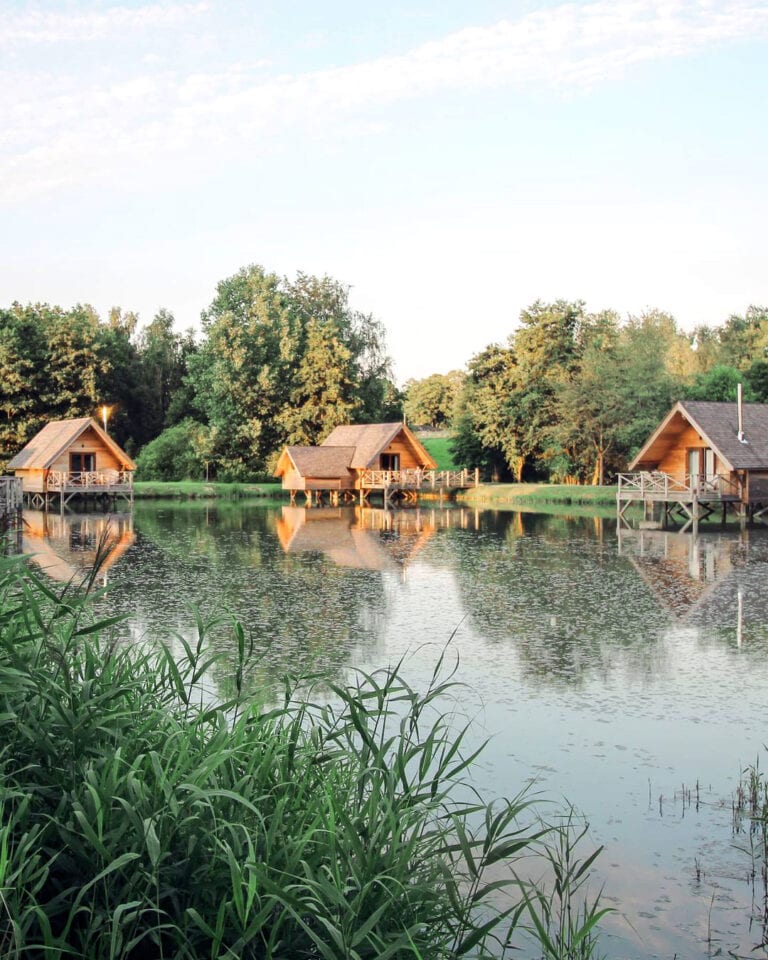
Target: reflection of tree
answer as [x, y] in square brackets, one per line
[554, 589]
[300, 613]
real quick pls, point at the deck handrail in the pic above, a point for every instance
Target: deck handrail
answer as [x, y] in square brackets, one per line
[10, 495]
[650, 482]
[654, 482]
[88, 479]
[418, 479]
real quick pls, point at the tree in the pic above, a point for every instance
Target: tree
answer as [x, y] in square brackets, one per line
[720, 384]
[485, 428]
[173, 455]
[744, 339]
[283, 360]
[323, 395]
[432, 401]
[588, 401]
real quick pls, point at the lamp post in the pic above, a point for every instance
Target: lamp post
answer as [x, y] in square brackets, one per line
[104, 415]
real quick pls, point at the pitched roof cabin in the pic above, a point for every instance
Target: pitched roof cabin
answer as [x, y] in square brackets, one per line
[703, 452]
[356, 458]
[70, 457]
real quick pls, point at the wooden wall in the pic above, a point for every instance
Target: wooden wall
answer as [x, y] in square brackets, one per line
[89, 442]
[675, 460]
[408, 459]
[31, 480]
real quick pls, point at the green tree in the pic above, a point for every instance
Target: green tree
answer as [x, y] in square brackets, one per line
[283, 360]
[546, 349]
[432, 401]
[588, 402]
[485, 428]
[720, 384]
[173, 455]
[323, 394]
[744, 339]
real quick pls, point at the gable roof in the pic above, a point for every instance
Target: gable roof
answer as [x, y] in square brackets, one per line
[369, 439]
[46, 445]
[319, 462]
[717, 423]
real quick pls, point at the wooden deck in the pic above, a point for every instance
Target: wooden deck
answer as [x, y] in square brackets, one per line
[690, 498]
[64, 485]
[417, 481]
[393, 485]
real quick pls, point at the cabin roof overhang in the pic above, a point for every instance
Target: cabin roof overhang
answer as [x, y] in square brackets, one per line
[717, 425]
[319, 463]
[55, 437]
[371, 439]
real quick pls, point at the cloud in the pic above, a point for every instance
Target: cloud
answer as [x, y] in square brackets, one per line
[38, 27]
[59, 129]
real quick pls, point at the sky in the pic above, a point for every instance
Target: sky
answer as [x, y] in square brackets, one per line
[451, 162]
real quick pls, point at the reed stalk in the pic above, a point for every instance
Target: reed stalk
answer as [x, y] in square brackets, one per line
[137, 821]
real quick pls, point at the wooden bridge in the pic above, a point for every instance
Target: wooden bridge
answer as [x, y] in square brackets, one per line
[691, 498]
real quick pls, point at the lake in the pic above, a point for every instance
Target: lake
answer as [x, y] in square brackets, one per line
[623, 671]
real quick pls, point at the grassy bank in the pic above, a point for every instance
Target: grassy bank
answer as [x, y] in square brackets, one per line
[540, 494]
[200, 490]
[439, 448]
[138, 819]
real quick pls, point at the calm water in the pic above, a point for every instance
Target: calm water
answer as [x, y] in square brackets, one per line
[616, 672]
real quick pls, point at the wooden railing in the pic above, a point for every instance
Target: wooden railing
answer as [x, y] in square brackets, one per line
[89, 479]
[10, 495]
[655, 485]
[418, 479]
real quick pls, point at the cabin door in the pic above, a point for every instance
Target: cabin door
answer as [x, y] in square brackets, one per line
[701, 467]
[81, 463]
[390, 461]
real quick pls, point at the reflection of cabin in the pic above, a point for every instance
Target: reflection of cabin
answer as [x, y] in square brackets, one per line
[366, 538]
[70, 458]
[357, 459]
[703, 456]
[65, 547]
[681, 571]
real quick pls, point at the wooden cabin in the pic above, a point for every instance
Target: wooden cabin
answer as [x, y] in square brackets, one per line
[356, 459]
[703, 454]
[69, 458]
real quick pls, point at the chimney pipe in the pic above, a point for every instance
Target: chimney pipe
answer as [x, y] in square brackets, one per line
[740, 411]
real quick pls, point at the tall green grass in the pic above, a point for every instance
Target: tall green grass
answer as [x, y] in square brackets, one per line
[137, 819]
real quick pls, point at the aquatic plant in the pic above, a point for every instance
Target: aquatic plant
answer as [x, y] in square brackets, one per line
[139, 819]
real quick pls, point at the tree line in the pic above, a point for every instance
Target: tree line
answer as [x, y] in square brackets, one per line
[573, 395]
[279, 362]
[569, 397]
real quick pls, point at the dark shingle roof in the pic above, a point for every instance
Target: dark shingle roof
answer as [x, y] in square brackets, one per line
[719, 423]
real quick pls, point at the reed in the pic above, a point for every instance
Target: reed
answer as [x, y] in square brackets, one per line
[137, 820]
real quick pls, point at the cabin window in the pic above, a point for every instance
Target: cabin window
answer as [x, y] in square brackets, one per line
[390, 461]
[82, 462]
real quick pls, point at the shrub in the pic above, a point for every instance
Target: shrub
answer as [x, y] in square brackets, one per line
[172, 455]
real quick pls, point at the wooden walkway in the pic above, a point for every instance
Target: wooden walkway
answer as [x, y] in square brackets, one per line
[691, 499]
[393, 486]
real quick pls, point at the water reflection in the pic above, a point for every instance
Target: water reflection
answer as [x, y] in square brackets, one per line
[65, 546]
[367, 538]
[611, 669]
